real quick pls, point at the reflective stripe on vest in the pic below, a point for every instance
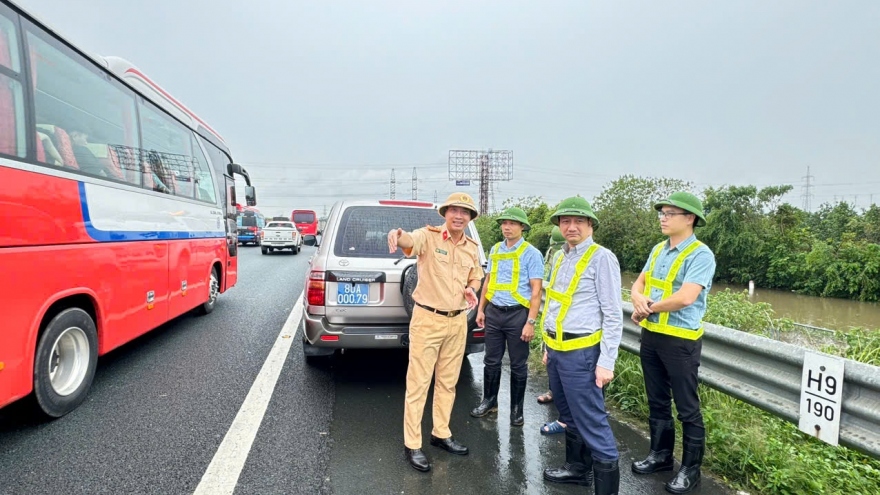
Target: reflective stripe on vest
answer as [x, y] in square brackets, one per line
[564, 300]
[663, 326]
[513, 285]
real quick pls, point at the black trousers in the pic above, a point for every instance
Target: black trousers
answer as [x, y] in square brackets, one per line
[670, 365]
[504, 330]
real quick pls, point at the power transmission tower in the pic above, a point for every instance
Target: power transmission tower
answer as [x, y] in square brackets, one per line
[807, 195]
[435, 195]
[415, 186]
[392, 183]
[484, 166]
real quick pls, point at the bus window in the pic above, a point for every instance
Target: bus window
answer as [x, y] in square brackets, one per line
[203, 182]
[12, 135]
[80, 111]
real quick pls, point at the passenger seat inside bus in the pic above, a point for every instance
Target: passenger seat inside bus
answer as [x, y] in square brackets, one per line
[61, 140]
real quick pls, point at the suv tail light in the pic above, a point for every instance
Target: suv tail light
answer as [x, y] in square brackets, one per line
[315, 290]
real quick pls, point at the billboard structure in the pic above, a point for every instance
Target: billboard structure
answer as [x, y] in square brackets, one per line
[484, 166]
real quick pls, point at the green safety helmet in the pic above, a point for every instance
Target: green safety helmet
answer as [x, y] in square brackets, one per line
[517, 215]
[574, 207]
[687, 202]
[556, 236]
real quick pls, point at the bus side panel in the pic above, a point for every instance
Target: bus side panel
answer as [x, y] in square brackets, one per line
[116, 275]
[191, 263]
[40, 209]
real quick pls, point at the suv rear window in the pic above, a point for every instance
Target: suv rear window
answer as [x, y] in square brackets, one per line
[363, 230]
[280, 225]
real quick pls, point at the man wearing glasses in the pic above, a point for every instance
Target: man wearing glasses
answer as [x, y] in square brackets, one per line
[669, 301]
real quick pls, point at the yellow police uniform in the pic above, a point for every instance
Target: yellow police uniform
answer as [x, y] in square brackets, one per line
[438, 328]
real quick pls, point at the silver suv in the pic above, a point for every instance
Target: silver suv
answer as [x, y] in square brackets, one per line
[358, 295]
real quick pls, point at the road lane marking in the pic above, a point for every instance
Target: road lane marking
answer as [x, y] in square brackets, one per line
[222, 474]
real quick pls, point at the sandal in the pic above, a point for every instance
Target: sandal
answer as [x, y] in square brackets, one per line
[552, 428]
[545, 398]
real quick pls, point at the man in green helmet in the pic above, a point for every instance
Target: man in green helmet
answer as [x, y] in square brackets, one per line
[669, 301]
[583, 325]
[556, 243]
[509, 305]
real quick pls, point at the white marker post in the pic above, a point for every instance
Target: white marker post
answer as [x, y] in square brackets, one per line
[821, 393]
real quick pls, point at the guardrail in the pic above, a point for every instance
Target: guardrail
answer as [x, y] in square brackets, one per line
[767, 374]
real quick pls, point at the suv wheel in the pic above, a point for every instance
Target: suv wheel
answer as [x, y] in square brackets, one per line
[410, 280]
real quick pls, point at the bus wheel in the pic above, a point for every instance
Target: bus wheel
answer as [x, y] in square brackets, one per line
[213, 292]
[65, 363]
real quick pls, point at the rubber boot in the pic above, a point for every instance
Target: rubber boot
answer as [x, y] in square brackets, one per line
[491, 382]
[688, 476]
[607, 475]
[578, 468]
[517, 398]
[662, 445]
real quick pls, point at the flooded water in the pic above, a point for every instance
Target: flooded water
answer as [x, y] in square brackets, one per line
[824, 312]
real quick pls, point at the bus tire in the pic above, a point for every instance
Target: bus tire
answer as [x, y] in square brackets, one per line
[65, 362]
[213, 292]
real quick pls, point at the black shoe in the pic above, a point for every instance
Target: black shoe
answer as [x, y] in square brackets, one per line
[688, 476]
[449, 445]
[662, 444]
[417, 459]
[491, 383]
[577, 469]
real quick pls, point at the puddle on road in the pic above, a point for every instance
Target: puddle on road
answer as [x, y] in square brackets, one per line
[367, 438]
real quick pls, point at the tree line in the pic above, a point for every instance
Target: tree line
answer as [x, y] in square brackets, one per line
[831, 252]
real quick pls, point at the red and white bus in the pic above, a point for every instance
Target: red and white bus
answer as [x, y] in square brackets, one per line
[306, 221]
[119, 211]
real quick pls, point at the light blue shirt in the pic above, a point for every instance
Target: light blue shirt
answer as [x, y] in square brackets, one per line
[531, 266]
[698, 268]
[596, 303]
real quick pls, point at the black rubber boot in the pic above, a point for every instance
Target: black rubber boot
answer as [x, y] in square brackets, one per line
[607, 477]
[662, 445]
[491, 382]
[578, 467]
[688, 476]
[517, 398]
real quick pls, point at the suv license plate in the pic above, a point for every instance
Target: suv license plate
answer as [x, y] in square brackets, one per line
[386, 337]
[352, 294]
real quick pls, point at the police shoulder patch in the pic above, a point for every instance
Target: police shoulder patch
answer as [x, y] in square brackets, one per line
[432, 228]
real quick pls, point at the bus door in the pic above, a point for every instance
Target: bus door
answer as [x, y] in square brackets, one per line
[231, 234]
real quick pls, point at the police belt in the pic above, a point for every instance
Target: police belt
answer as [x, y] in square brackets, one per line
[515, 307]
[448, 314]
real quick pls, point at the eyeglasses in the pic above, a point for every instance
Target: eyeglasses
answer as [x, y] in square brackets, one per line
[669, 214]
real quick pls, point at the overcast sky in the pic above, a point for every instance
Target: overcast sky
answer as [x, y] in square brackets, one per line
[320, 100]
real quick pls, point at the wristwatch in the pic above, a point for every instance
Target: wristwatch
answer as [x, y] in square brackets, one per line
[532, 321]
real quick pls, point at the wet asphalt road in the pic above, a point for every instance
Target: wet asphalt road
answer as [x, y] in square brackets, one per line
[161, 405]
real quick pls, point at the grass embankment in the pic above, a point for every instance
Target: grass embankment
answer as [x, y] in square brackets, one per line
[746, 447]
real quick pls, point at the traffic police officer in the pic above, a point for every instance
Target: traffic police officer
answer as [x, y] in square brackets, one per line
[449, 277]
[583, 325]
[669, 301]
[509, 304]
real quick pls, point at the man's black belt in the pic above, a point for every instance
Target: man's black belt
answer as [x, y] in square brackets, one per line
[440, 312]
[515, 307]
[568, 335]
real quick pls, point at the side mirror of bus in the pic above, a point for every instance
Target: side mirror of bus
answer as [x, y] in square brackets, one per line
[250, 195]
